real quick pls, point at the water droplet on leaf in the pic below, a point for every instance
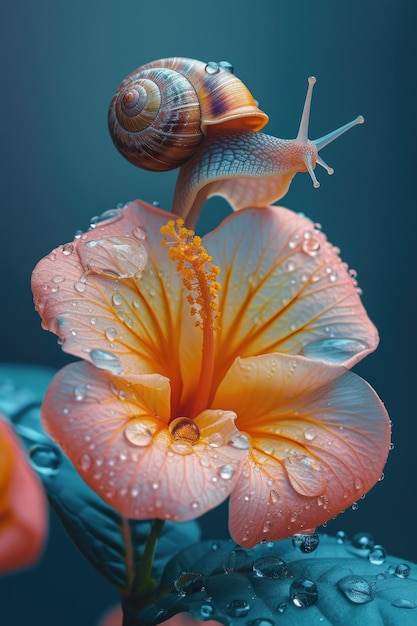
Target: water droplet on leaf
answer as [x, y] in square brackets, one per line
[402, 570]
[303, 592]
[270, 567]
[356, 589]
[237, 608]
[306, 542]
[188, 583]
[402, 603]
[377, 555]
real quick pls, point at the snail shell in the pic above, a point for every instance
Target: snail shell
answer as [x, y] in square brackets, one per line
[162, 111]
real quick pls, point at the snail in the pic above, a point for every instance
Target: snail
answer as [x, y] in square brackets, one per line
[180, 112]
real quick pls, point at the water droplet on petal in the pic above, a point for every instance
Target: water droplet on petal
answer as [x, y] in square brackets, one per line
[140, 233]
[111, 333]
[310, 433]
[303, 592]
[114, 257]
[105, 360]
[310, 246]
[226, 472]
[112, 215]
[334, 350]
[237, 608]
[46, 459]
[239, 441]
[402, 603]
[377, 555]
[356, 589]
[306, 542]
[184, 428]
[80, 391]
[67, 249]
[138, 433]
[270, 567]
[402, 570]
[188, 583]
[85, 462]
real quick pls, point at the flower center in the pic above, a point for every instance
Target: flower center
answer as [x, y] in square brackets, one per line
[199, 277]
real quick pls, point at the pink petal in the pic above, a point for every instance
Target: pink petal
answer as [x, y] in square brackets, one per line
[285, 289]
[320, 439]
[23, 507]
[115, 431]
[114, 297]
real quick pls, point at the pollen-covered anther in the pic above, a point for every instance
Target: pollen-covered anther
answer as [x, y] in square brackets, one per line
[199, 274]
[184, 428]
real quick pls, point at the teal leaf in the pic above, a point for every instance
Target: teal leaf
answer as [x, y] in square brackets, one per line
[341, 582]
[111, 543]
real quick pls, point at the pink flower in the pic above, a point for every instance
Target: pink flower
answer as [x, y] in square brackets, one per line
[213, 368]
[23, 508]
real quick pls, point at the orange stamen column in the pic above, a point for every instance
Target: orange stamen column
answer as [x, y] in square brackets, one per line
[199, 277]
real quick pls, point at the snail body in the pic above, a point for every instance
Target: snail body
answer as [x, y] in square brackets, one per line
[180, 112]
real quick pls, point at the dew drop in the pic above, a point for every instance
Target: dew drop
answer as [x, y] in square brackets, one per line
[212, 67]
[260, 621]
[402, 603]
[356, 589]
[282, 607]
[206, 610]
[310, 246]
[306, 542]
[303, 592]
[111, 333]
[139, 233]
[181, 446]
[106, 361]
[238, 608]
[184, 428]
[310, 433]
[402, 570]
[273, 496]
[117, 299]
[333, 276]
[138, 433]
[290, 266]
[363, 542]
[112, 215]
[113, 257]
[226, 472]
[377, 555]
[341, 536]
[239, 441]
[85, 462]
[45, 459]
[80, 391]
[270, 567]
[67, 249]
[188, 583]
[80, 287]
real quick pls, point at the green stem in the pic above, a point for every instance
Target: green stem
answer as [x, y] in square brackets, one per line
[143, 583]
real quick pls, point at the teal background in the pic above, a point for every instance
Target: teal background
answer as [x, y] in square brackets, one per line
[61, 63]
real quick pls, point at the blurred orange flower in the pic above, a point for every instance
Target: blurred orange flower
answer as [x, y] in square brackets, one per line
[23, 507]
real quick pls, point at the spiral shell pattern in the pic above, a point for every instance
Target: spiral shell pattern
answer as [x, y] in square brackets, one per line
[161, 112]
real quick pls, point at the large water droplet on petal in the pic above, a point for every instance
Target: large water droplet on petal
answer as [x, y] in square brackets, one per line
[105, 360]
[114, 257]
[270, 567]
[356, 589]
[303, 592]
[333, 350]
[46, 459]
[184, 428]
[138, 433]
